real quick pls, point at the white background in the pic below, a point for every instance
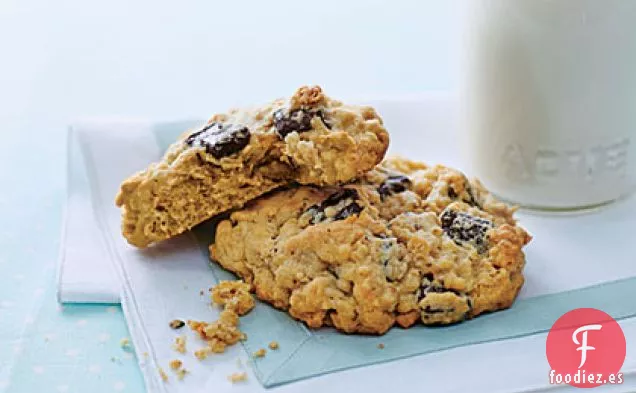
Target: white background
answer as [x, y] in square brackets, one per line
[60, 60]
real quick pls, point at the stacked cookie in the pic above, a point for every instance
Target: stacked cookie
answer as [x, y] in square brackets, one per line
[325, 230]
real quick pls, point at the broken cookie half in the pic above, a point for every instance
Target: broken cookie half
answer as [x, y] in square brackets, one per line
[237, 156]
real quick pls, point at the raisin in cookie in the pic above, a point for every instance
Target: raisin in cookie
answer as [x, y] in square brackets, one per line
[238, 156]
[405, 243]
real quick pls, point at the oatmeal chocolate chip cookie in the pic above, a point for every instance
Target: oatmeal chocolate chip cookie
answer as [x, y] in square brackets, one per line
[240, 155]
[405, 243]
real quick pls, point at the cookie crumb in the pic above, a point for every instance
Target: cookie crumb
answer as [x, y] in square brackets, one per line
[221, 333]
[180, 344]
[163, 375]
[233, 295]
[181, 373]
[236, 300]
[380, 346]
[176, 364]
[202, 353]
[124, 343]
[177, 324]
[273, 345]
[237, 377]
[260, 353]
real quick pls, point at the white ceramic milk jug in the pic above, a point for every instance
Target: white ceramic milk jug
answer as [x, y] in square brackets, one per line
[550, 100]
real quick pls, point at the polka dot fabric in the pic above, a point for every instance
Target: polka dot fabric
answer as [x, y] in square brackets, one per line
[46, 347]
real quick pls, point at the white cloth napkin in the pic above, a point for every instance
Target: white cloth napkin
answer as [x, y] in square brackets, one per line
[85, 271]
[163, 283]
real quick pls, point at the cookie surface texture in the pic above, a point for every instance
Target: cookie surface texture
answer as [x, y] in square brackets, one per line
[407, 243]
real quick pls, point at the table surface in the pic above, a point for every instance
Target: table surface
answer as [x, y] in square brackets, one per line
[70, 59]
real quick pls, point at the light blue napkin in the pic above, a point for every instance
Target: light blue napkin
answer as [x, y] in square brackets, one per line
[308, 353]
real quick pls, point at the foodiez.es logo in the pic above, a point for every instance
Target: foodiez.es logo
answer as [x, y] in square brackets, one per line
[585, 348]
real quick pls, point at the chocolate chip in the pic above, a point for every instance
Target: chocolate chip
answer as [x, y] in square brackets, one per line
[221, 140]
[471, 200]
[177, 324]
[298, 120]
[349, 210]
[338, 196]
[426, 289]
[393, 185]
[451, 193]
[431, 313]
[464, 228]
[316, 213]
[431, 310]
[346, 194]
